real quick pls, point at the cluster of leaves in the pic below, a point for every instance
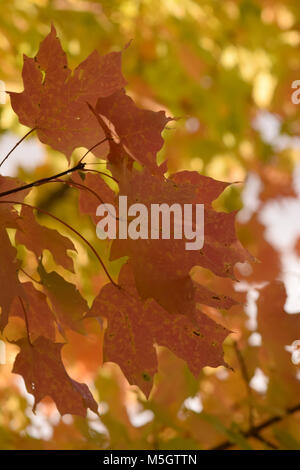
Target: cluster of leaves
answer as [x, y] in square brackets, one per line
[155, 301]
[206, 60]
[222, 64]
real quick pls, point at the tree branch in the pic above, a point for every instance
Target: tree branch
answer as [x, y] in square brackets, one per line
[253, 432]
[265, 441]
[79, 166]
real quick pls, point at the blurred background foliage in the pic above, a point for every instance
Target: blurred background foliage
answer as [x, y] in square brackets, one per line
[225, 68]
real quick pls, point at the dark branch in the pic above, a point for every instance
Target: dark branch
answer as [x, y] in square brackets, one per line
[253, 432]
[79, 166]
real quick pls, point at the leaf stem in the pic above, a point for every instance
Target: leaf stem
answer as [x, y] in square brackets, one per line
[26, 320]
[70, 228]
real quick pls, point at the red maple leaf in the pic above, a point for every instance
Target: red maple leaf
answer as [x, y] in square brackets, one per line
[138, 130]
[37, 238]
[44, 374]
[32, 306]
[159, 265]
[135, 326]
[54, 99]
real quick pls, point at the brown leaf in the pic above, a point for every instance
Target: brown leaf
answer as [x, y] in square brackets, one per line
[135, 326]
[37, 238]
[9, 282]
[41, 320]
[161, 262]
[55, 101]
[139, 130]
[44, 374]
[99, 193]
[66, 301]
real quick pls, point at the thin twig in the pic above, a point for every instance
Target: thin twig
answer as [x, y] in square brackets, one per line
[246, 378]
[265, 441]
[74, 184]
[96, 163]
[30, 277]
[84, 187]
[94, 146]
[101, 173]
[17, 144]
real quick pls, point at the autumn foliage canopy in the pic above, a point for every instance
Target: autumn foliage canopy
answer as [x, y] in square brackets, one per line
[154, 300]
[152, 294]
